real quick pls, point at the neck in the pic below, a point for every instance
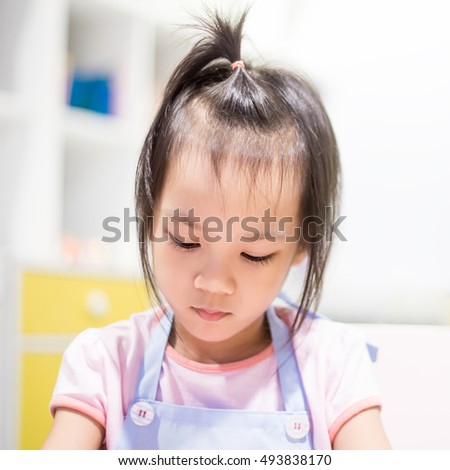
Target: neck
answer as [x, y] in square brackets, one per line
[244, 345]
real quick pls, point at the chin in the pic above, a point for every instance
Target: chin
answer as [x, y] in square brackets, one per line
[212, 336]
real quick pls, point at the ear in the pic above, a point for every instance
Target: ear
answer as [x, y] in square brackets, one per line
[299, 257]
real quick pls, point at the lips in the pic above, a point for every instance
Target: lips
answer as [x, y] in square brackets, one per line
[210, 315]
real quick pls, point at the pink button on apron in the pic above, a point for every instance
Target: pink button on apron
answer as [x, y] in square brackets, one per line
[297, 426]
[142, 413]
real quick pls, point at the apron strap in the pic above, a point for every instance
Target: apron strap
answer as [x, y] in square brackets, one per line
[150, 370]
[289, 376]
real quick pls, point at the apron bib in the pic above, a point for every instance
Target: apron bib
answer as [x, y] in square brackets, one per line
[152, 424]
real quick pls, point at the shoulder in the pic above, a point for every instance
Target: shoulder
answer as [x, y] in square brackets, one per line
[328, 346]
[321, 333]
[100, 365]
[134, 327]
[114, 343]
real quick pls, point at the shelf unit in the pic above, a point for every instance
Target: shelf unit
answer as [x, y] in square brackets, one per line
[53, 155]
[63, 170]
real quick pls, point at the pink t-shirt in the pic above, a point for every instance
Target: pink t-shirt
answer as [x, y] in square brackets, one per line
[100, 367]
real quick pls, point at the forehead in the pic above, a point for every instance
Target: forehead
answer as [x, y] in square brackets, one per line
[233, 189]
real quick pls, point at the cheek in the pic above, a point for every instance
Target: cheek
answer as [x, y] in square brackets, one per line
[274, 278]
[163, 262]
[172, 268]
[263, 281]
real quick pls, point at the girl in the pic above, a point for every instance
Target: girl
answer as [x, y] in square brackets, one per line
[232, 186]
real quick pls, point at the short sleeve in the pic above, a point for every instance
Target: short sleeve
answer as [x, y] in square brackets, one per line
[352, 386]
[81, 384]
[99, 371]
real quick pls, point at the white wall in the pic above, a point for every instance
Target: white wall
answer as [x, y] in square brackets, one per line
[385, 80]
[384, 74]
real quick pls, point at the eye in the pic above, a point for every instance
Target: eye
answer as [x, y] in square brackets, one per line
[261, 260]
[182, 245]
[258, 259]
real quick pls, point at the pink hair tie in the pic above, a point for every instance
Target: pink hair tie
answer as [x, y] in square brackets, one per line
[238, 63]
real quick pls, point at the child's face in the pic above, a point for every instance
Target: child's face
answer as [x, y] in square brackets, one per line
[217, 284]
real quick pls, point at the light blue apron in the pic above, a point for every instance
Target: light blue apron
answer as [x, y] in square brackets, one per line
[152, 424]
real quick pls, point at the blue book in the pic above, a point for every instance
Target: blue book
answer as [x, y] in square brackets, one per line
[91, 92]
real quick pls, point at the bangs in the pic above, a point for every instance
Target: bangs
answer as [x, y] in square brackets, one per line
[265, 157]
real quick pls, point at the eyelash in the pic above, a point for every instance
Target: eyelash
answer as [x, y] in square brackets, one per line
[261, 260]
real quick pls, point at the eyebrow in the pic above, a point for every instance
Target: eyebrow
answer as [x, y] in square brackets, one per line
[194, 221]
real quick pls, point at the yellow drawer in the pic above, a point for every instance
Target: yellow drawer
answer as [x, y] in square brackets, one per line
[39, 372]
[69, 304]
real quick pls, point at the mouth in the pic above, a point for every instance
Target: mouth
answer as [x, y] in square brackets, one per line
[210, 315]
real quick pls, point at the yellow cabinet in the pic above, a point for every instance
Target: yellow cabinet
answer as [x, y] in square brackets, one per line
[55, 307]
[39, 372]
[70, 304]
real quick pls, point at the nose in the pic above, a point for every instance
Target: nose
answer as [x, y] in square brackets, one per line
[215, 278]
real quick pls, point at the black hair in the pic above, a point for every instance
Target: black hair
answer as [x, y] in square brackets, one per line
[256, 117]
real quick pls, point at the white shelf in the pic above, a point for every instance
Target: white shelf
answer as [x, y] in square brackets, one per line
[132, 8]
[56, 159]
[82, 127]
[15, 28]
[13, 107]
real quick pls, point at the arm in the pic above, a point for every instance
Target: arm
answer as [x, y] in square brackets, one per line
[363, 431]
[74, 430]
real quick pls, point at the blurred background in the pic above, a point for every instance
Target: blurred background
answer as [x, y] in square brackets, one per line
[79, 83]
